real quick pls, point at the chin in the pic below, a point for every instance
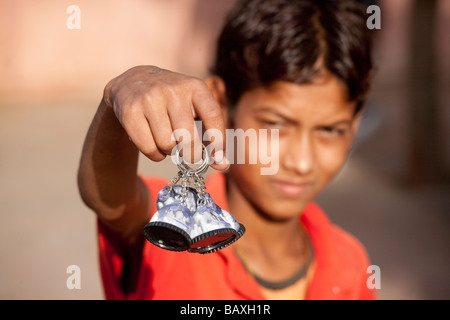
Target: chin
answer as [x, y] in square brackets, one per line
[273, 200]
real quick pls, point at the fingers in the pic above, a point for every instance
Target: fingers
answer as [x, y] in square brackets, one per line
[158, 112]
[185, 131]
[160, 125]
[210, 112]
[137, 126]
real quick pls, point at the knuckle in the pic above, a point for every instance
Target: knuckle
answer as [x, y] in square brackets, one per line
[166, 146]
[213, 113]
[149, 150]
[198, 85]
[152, 93]
[152, 153]
[128, 111]
[196, 82]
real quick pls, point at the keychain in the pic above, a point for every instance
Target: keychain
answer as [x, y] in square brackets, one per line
[187, 218]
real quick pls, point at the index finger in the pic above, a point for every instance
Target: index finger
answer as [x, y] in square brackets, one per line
[210, 113]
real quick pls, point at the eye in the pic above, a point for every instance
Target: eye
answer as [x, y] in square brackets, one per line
[332, 131]
[274, 123]
[270, 123]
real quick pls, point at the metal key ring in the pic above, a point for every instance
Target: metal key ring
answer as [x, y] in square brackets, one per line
[183, 166]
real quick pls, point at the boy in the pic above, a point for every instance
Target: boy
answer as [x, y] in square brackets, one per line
[300, 67]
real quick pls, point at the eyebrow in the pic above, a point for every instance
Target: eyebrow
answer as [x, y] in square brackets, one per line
[288, 119]
[339, 122]
[276, 113]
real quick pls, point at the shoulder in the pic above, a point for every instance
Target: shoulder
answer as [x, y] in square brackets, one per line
[349, 251]
[327, 234]
[351, 256]
[341, 258]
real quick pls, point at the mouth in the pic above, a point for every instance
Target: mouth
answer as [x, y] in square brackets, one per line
[290, 189]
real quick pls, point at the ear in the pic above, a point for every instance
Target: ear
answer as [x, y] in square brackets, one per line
[356, 121]
[218, 89]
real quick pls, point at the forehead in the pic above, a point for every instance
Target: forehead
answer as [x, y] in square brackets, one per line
[324, 97]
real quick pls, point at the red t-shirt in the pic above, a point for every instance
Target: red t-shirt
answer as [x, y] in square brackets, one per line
[340, 271]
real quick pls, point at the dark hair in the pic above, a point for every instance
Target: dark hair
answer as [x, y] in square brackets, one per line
[292, 40]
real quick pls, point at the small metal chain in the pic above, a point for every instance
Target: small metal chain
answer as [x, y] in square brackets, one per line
[174, 180]
[203, 196]
[185, 181]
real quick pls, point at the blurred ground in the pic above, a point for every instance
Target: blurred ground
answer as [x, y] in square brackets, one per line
[45, 227]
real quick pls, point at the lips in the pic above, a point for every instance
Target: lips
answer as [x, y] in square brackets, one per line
[292, 189]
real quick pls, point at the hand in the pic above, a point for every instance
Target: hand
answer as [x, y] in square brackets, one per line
[152, 104]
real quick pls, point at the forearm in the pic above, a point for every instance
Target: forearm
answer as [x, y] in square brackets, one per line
[107, 176]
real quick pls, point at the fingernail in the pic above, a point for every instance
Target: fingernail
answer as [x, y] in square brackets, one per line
[219, 157]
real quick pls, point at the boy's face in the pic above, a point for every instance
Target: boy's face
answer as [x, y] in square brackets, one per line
[316, 127]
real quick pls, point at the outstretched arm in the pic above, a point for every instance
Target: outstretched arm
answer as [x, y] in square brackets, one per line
[139, 111]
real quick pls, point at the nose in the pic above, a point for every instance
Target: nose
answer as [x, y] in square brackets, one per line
[299, 157]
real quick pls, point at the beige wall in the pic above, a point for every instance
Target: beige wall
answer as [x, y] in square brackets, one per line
[41, 57]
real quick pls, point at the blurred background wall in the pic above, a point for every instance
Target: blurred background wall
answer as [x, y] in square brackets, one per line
[393, 193]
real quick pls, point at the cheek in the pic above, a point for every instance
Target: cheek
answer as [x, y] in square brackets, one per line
[249, 182]
[331, 158]
[248, 144]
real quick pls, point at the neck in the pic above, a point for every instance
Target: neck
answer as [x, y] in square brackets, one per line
[275, 251]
